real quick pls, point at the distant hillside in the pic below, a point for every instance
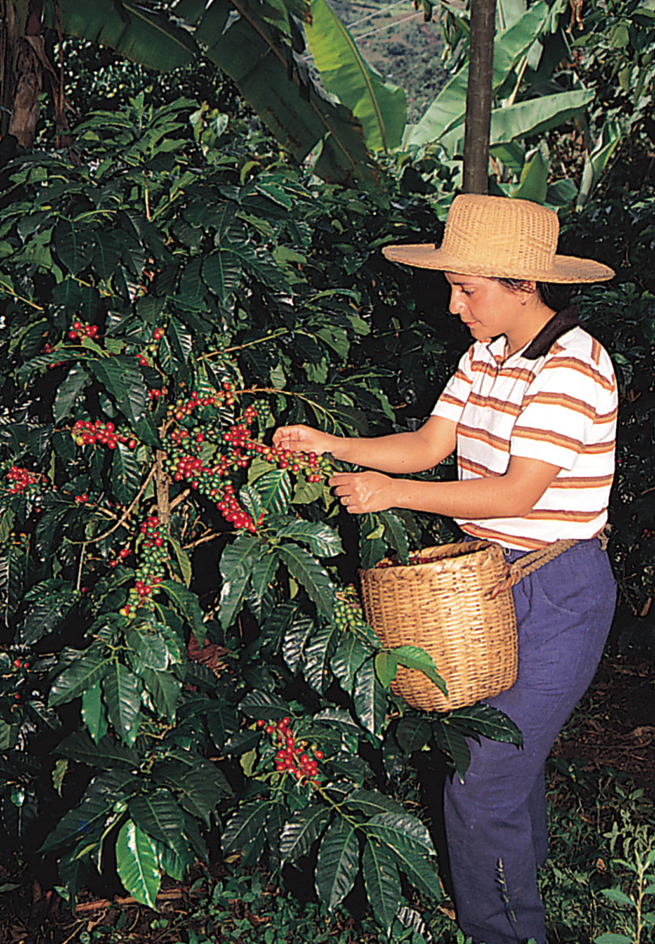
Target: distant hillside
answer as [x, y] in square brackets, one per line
[393, 37]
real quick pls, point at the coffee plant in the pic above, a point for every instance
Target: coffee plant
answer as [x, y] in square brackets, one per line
[185, 670]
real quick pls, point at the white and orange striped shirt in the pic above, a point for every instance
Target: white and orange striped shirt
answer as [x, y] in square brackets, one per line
[561, 408]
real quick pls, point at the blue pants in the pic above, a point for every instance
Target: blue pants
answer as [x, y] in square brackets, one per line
[495, 820]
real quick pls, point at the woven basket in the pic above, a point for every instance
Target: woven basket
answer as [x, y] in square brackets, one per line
[446, 607]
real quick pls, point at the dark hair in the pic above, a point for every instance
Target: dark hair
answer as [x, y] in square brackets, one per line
[555, 295]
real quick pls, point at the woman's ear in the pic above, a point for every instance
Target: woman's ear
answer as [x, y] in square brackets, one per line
[526, 289]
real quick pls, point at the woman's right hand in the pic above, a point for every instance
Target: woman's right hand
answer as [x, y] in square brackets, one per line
[304, 439]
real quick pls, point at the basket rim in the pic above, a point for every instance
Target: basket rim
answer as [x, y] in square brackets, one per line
[440, 554]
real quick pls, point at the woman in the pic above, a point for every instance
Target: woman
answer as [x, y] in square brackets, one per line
[531, 412]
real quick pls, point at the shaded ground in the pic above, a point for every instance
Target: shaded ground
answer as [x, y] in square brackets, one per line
[615, 724]
[613, 727]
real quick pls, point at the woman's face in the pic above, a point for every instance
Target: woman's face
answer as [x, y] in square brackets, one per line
[487, 307]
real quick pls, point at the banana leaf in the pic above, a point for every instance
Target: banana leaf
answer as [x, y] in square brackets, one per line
[449, 107]
[129, 28]
[256, 44]
[533, 183]
[596, 162]
[525, 118]
[380, 105]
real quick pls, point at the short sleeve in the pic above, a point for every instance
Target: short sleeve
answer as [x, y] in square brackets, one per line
[569, 406]
[452, 401]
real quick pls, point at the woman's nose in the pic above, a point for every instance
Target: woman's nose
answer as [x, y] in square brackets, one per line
[455, 307]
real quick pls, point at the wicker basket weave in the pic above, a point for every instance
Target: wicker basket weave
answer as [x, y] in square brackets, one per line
[446, 607]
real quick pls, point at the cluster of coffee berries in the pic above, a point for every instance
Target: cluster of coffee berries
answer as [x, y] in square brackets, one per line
[151, 570]
[291, 756]
[348, 616]
[82, 499]
[19, 481]
[155, 394]
[86, 433]
[234, 513]
[79, 331]
[240, 440]
[184, 408]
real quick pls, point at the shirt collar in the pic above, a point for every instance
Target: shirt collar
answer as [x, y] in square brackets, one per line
[559, 324]
[540, 345]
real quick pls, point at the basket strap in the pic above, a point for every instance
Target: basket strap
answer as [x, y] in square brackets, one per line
[530, 562]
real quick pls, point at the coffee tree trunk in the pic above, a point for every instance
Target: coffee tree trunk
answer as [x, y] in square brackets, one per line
[478, 96]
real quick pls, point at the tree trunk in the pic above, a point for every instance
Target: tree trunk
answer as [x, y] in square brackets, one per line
[478, 96]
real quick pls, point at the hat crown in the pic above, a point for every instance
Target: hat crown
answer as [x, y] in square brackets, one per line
[514, 238]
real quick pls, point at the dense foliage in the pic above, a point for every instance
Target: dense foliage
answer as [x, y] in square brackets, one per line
[183, 659]
[182, 645]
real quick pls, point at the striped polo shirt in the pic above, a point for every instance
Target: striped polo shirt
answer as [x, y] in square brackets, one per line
[558, 407]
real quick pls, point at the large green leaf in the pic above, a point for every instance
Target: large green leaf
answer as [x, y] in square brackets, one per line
[160, 816]
[411, 859]
[164, 690]
[77, 678]
[237, 563]
[350, 656]
[321, 539]
[125, 474]
[222, 273]
[93, 713]
[369, 698]
[449, 107]
[75, 244]
[108, 753]
[137, 864]
[122, 694]
[371, 802]
[68, 391]
[595, 163]
[202, 788]
[531, 117]
[123, 381]
[53, 602]
[317, 652]
[413, 657]
[129, 28]
[309, 573]
[273, 487]
[187, 606]
[393, 827]
[380, 106]
[338, 863]
[149, 648]
[300, 832]
[382, 882]
[243, 827]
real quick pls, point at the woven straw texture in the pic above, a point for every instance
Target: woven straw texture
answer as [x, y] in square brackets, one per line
[445, 606]
[497, 237]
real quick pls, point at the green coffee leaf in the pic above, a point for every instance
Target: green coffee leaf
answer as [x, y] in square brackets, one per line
[137, 864]
[160, 816]
[299, 833]
[122, 695]
[413, 657]
[78, 677]
[337, 863]
[309, 573]
[382, 882]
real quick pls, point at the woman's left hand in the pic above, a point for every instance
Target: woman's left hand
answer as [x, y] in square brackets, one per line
[362, 492]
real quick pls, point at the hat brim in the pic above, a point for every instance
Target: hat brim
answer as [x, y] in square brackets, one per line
[564, 269]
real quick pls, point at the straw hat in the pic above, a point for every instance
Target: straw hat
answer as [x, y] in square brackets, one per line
[498, 237]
